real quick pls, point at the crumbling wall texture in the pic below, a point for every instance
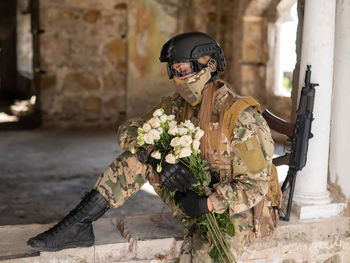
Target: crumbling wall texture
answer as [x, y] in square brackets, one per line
[101, 57]
[84, 52]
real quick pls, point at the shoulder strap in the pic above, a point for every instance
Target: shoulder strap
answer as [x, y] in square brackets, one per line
[231, 115]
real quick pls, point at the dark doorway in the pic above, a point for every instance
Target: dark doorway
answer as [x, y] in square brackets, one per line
[18, 83]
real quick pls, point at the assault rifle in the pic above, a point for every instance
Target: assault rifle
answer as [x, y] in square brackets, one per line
[298, 134]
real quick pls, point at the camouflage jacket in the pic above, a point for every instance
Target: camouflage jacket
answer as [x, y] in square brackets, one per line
[243, 161]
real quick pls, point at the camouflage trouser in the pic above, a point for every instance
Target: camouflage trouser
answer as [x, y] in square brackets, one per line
[125, 176]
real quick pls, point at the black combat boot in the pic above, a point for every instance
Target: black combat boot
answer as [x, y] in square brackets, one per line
[75, 230]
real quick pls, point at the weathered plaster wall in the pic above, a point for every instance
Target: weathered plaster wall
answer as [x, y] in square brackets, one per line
[150, 24]
[84, 51]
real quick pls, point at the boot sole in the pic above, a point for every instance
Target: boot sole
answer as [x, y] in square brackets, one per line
[68, 245]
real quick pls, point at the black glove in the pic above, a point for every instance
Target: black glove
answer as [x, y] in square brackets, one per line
[192, 204]
[215, 178]
[174, 176]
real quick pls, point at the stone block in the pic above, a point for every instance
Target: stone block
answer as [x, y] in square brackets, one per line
[114, 82]
[254, 43]
[47, 81]
[92, 105]
[148, 249]
[68, 14]
[114, 105]
[318, 211]
[121, 6]
[13, 240]
[110, 246]
[72, 255]
[153, 226]
[71, 106]
[92, 16]
[79, 82]
[116, 48]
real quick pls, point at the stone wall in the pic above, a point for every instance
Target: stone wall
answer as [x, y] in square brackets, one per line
[84, 51]
[101, 57]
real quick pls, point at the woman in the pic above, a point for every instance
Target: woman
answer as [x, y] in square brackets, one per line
[236, 141]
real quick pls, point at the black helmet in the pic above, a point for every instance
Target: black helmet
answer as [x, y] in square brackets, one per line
[189, 47]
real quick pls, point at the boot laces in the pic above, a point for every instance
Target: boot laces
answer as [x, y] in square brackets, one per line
[74, 215]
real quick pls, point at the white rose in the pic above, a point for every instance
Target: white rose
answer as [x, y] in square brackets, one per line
[195, 145]
[155, 134]
[160, 130]
[188, 124]
[185, 141]
[185, 152]
[171, 117]
[175, 142]
[183, 131]
[154, 122]
[170, 158]
[146, 127]
[172, 123]
[156, 155]
[163, 118]
[158, 112]
[173, 130]
[199, 134]
[148, 139]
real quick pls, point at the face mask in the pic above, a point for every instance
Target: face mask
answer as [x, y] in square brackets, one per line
[191, 88]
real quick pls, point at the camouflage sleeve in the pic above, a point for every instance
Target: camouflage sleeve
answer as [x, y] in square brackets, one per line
[127, 132]
[251, 157]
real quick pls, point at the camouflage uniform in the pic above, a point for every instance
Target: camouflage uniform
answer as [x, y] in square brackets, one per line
[242, 161]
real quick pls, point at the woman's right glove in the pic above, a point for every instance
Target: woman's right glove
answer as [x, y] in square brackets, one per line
[174, 176]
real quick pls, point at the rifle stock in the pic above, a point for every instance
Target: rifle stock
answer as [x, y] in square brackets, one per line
[278, 124]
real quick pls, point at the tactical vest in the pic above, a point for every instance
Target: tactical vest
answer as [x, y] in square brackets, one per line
[265, 213]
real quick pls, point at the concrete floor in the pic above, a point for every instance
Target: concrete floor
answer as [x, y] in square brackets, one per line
[44, 173]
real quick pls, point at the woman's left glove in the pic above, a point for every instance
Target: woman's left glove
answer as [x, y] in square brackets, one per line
[192, 204]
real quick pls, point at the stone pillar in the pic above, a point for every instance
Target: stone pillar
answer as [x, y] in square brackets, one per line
[312, 199]
[340, 124]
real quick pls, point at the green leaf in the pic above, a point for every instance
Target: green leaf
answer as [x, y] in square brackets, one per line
[231, 230]
[214, 253]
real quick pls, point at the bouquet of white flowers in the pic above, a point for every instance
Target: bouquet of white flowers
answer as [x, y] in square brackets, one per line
[172, 143]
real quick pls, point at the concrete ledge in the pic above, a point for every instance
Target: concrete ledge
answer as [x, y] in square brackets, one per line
[157, 238]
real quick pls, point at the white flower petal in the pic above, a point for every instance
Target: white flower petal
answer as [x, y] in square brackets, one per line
[183, 131]
[172, 124]
[155, 134]
[158, 112]
[171, 117]
[185, 152]
[170, 158]
[189, 125]
[154, 122]
[146, 127]
[196, 144]
[186, 140]
[173, 130]
[163, 118]
[199, 134]
[148, 139]
[156, 155]
[159, 168]
[175, 142]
